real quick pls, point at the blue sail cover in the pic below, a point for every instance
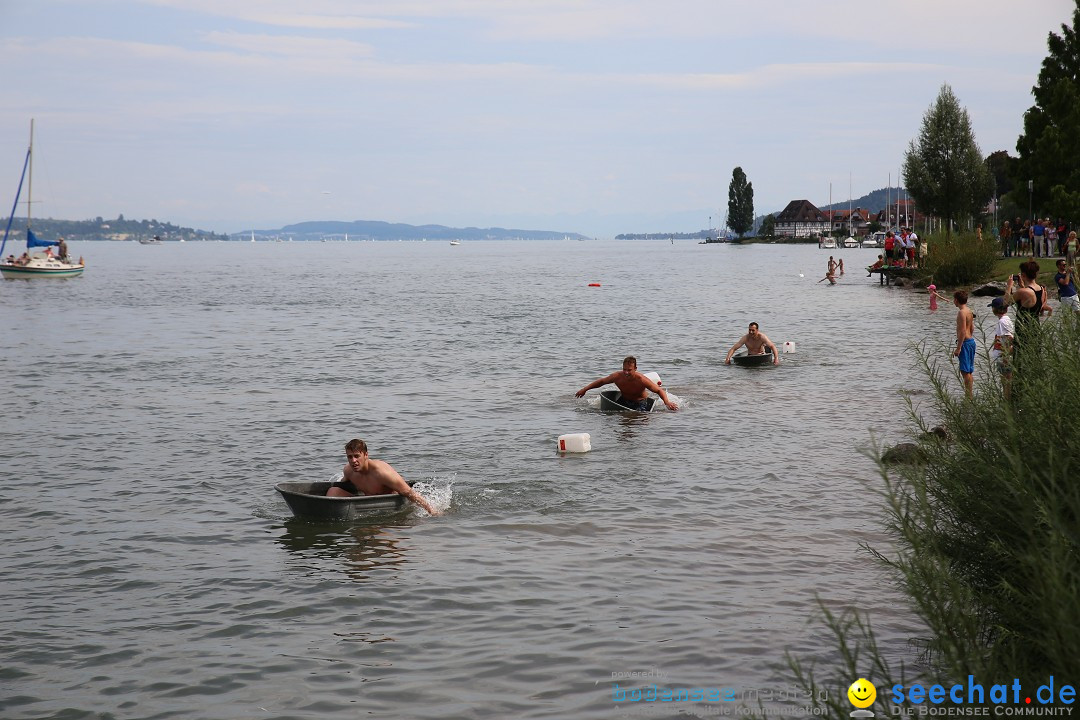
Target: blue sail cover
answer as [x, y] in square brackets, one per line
[32, 241]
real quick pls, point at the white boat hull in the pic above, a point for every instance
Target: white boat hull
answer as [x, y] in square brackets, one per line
[42, 266]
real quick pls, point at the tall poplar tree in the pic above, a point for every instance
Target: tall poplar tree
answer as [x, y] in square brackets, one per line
[943, 168]
[1049, 149]
[740, 204]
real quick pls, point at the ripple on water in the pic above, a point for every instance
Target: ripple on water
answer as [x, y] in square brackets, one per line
[162, 573]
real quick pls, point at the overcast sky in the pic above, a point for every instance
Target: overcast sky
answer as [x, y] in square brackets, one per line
[592, 116]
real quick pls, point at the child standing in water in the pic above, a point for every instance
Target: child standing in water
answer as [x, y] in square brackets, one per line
[965, 340]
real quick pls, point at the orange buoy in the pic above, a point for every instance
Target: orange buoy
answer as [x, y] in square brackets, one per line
[594, 284]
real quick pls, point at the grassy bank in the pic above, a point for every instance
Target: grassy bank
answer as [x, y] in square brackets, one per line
[1005, 267]
[986, 532]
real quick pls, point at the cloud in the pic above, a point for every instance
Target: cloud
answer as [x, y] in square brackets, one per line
[310, 48]
[317, 14]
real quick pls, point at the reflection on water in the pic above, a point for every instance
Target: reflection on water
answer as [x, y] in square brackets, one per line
[359, 549]
[629, 424]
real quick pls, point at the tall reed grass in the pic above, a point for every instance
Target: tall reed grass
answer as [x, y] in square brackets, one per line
[986, 531]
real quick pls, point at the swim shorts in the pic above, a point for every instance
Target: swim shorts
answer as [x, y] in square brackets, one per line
[641, 405]
[967, 356]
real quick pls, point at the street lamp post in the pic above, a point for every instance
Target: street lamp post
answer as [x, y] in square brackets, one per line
[1031, 188]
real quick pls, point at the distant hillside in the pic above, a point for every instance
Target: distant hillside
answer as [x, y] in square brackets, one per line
[102, 229]
[874, 201]
[378, 230]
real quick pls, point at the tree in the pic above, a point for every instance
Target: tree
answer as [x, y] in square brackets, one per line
[1000, 164]
[740, 203]
[943, 169]
[1050, 145]
[768, 226]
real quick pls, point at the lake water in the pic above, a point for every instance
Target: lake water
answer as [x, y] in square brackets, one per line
[151, 571]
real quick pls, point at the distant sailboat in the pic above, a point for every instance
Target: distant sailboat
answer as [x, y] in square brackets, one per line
[252, 236]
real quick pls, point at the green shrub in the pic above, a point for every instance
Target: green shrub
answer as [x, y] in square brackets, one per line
[986, 527]
[960, 259]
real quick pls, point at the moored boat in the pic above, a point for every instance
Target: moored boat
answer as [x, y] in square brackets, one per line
[309, 500]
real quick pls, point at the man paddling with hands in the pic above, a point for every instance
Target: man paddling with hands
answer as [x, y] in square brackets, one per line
[755, 342]
[633, 385]
[364, 475]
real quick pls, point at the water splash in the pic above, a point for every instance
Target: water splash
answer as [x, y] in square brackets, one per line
[440, 493]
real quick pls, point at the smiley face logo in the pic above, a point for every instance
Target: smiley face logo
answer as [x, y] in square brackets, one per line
[861, 693]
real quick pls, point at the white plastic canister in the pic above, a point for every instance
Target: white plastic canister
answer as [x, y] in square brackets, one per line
[575, 442]
[655, 377]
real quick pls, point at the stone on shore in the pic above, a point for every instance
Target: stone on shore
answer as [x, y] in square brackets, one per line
[990, 289]
[902, 453]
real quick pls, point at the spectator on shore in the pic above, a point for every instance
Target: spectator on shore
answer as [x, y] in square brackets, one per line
[1062, 230]
[890, 246]
[1024, 245]
[1006, 239]
[1070, 249]
[1066, 286]
[1037, 234]
[1001, 352]
[1030, 298]
[876, 266]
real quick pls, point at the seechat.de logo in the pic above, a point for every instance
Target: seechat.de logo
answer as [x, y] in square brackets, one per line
[862, 695]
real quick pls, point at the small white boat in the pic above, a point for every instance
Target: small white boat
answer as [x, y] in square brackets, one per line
[454, 242]
[828, 243]
[869, 243]
[851, 242]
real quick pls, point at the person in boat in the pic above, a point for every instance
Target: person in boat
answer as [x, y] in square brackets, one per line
[23, 259]
[62, 249]
[364, 475]
[633, 385]
[755, 342]
[10, 260]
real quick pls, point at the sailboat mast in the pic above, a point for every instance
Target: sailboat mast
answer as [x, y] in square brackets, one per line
[30, 179]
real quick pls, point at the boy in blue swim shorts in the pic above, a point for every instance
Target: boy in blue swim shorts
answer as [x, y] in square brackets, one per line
[965, 340]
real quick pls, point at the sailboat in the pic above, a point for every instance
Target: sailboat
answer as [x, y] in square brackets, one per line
[850, 241]
[42, 264]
